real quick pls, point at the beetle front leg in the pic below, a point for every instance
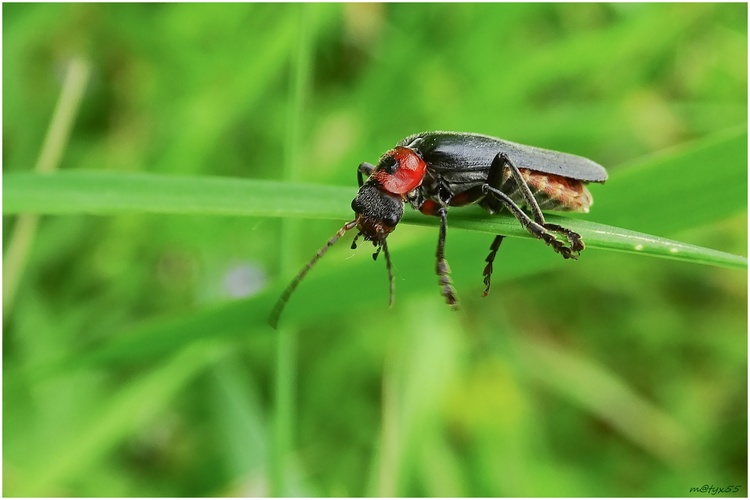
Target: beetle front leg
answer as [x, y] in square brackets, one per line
[441, 267]
[366, 169]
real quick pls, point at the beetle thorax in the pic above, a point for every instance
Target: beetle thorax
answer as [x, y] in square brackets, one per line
[400, 170]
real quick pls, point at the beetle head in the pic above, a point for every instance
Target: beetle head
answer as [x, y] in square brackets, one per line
[378, 212]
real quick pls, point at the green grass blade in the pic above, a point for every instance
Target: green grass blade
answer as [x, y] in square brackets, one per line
[87, 192]
[75, 449]
[665, 194]
[598, 236]
[105, 193]
[701, 182]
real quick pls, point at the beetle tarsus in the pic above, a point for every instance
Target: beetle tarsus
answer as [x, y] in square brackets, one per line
[450, 296]
[558, 246]
[576, 243]
[487, 273]
[441, 267]
[354, 241]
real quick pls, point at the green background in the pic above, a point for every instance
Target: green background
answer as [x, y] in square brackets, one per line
[132, 367]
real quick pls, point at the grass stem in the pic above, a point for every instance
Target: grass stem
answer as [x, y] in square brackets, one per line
[22, 237]
[286, 346]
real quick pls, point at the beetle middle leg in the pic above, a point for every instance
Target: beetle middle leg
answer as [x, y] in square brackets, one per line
[473, 195]
[432, 207]
[441, 266]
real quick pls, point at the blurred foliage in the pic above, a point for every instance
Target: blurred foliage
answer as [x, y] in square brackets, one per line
[131, 367]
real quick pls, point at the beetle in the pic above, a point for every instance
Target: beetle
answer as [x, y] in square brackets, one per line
[433, 171]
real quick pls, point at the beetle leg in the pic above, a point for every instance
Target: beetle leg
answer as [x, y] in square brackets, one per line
[536, 229]
[366, 169]
[501, 162]
[390, 272]
[354, 241]
[441, 267]
[490, 258]
[576, 243]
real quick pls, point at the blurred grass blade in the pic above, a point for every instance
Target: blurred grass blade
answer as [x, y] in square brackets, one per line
[701, 182]
[126, 411]
[611, 399]
[58, 133]
[679, 188]
[282, 437]
[157, 337]
[104, 193]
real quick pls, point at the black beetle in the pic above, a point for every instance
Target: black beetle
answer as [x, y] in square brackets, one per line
[436, 170]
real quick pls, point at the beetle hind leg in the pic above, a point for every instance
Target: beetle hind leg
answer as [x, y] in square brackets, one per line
[541, 232]
[576, 243]
[538, 226]
[537, 230]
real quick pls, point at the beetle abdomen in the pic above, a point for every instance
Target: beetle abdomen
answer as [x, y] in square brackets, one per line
[552, 192]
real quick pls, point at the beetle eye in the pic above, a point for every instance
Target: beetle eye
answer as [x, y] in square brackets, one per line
[388, 164]
[356, 206]
[392, 220]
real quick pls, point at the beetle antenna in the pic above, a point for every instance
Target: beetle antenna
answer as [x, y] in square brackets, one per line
[274, 319]
[390, 273]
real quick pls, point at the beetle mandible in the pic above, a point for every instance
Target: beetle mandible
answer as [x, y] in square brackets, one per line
[436, 170]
